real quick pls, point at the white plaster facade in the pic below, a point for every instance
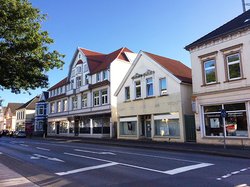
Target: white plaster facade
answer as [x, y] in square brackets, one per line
[157, 114]
[224, 92]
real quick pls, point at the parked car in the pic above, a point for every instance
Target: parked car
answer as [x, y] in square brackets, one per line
[10, 133]
[19, 134]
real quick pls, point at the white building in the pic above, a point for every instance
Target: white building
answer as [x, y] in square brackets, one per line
[85, 105]
[154, 98]
[221, 82]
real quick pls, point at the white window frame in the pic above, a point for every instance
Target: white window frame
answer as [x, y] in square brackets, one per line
[105, 75]
[98, 77]
[163, 91]
[52, 107]
[78, 81]
[96, 98]
[74, 103]
[127, 93]
[65, 105]
[84, 100]
[209, 68]
[232, 63]
[149, 84]
[104, 97]
[58, 104]
[138, 86]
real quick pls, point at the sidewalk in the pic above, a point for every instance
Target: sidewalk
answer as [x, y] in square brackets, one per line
[10, 178]
[219, 150]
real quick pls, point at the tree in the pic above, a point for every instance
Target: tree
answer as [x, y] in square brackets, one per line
[24, 48]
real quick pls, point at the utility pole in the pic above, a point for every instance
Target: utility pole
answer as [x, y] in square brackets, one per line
[244, 5]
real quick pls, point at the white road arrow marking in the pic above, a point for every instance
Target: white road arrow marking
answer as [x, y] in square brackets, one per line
[38, 156]
[99, 153]
[24, 145]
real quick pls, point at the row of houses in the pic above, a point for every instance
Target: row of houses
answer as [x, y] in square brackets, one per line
[146, 96]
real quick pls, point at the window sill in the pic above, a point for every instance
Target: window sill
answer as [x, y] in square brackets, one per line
[150, 97]
[138, 99]
[227, 81]
[163, 95]
[127, 101]
[204, 85]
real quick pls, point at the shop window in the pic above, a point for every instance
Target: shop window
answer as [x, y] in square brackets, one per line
[167, 127]
[39, 126]
[235, 122]
[128, 128]
[63, 127]
[52, 127]
[101, 125]
[84, 126]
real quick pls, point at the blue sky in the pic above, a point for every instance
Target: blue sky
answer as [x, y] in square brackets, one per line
[162, 27]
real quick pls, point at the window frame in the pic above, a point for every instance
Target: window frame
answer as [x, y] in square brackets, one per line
[149, 85]
[104, 97]
[127, 93]
[105, 75]
[163, 91]
[204, 69]
[65, 105]
[232, 63]
[74, 103]
[96, 98]
[138, 87]
[78, 81]
[84, 99]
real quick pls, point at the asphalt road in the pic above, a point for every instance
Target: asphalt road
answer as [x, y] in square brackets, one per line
[65, 163]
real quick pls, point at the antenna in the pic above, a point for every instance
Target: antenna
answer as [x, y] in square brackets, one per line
[243, 5]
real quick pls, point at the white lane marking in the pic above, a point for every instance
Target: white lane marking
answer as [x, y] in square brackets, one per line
[169, 172]
[24, 145]
[99, 153]
[86, 169]
[233, 173]
[38, 156]
[44, 149]
[187, 168]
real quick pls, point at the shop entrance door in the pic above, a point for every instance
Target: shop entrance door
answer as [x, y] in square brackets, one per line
[148, 129]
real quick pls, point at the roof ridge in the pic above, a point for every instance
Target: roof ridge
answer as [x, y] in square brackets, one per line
[90, 50]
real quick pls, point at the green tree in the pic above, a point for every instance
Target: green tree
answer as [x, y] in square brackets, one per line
[24, 48]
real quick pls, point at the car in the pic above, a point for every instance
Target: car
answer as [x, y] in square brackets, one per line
[10, 133]
[4, 132]
[19, 134]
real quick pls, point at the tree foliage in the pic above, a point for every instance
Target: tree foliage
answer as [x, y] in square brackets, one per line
[24, 48]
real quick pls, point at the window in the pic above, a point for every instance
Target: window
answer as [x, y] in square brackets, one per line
[78, 69]
[104, 97]
[235, 124]
[72, 84]
[84, 100]
[39, 126]
[138, 89]
[105, 75]
[167, 127]
[98, 77]
[40, 110]
[127, 93]
[85, 68]
[128, 128]
[74, 103]
[58, 106]
[78, 82]
[150, 89]
[61, 90]
[65, 105]
[209, 71]
[96, 98]
[86, 79]
[52, 107]
[63, 127]
[163, 86]
[233, 66]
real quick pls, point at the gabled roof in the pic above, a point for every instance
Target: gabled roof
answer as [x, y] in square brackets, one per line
[236, 24]
[31, 104]
[98, 61]
[59, 84]
[13, 107]
[178, 69]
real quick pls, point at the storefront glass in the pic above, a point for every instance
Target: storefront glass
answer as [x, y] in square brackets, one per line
[167, 127]
[84, 126]
[101, 125]
[235, 124]
[128, 128]
[52, 127]
[63, 127]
